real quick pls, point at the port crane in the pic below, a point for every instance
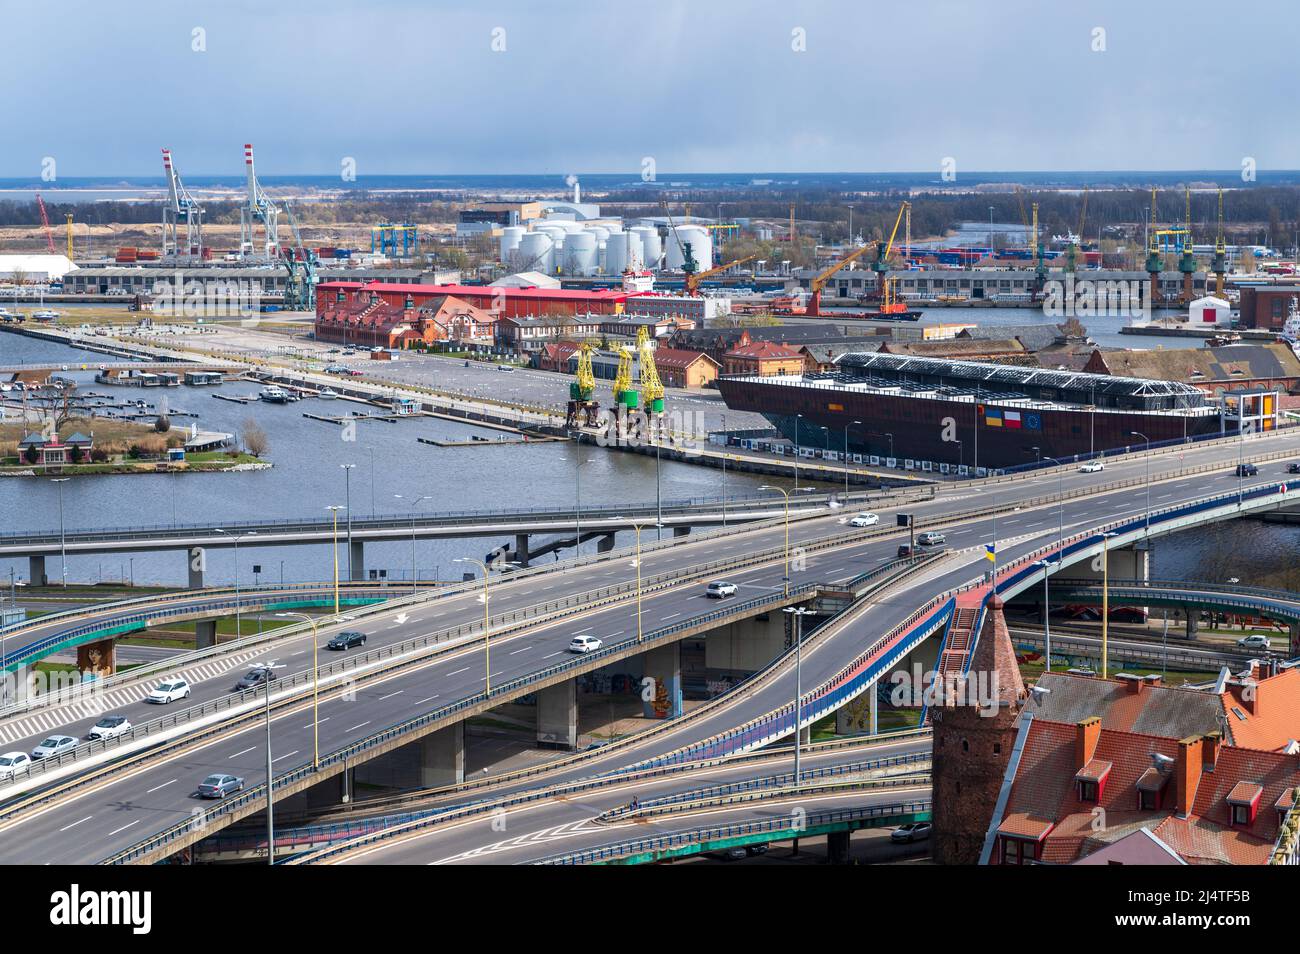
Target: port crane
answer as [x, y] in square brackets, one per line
[652, 389]
[1219, 264]
[689, 264]
[693, 280]
[45, 223]
[1072, 254]
[1153, 262]
[1187, 261]
[257, 208]
[880, 266]
[582, 390]
[180, 207]
[300, 287]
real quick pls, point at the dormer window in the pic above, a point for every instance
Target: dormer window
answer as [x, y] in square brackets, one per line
[1090, 781]
[1151, 786]
[1243, 803]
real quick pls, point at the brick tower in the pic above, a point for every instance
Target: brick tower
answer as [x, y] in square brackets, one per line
[974, 730]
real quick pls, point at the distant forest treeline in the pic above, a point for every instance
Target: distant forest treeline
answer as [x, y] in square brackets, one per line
[1264, 214]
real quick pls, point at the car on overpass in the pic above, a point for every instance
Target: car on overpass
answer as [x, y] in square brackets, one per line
[347, 640]
[1247, 470]
[865, 520]
[1092, 467]
[1293, 467]
[219, 785]
[257, 676]
[720, 589]
[931, 538]
[110, 727]
[1254, 641]
[53, 746]
[584, 644]
[169, 691]
[11, 762]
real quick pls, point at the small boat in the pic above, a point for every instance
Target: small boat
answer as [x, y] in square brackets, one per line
[329, 394]
[274, 395]
[45, 315]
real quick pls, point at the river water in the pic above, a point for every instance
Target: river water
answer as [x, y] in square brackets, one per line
[308, 476]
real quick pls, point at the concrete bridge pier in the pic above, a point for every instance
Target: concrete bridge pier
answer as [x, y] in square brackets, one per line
[681, 531]
[357, 560]
[557, 716]
[442, 757]
[36, 570]
[748, 645]
[605, 543]
[1294, 637]
[1194, 622]
[521, 549]
[663, 664]
[205, 634]
[98, 659]
[837, 847]
[198, 562]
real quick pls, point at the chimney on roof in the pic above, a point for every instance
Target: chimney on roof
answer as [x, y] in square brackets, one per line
[1153, 680]
[1210, 743]
[1257, 670]
[1187, 773]
[1087, 732]
[1132, 684]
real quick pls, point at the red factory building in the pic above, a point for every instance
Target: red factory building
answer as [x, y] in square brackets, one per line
[340, 304]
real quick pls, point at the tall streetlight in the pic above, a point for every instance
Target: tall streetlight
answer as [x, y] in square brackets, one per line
[239, 625]
[797, 419]
[1105, 601]
[1147, 460]
[335, 511]
[269, 665]
[347, 501]
[1047, 607]
[63, 547]
[414, 504]
[786, 495]
[487, 655]
[315, 686]
[659, 496]
[637, 527]
[798, 612]
[577, 543]
[846, 457]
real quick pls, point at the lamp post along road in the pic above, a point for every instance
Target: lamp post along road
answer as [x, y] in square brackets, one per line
[1147, 459]
[335, 511]
[798, 613]
[347, 502]
[63, 548]
[315, 685]
[487, 649]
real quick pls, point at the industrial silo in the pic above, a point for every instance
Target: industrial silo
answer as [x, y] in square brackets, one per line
[534, 253]
[697, 238]
[616, 247]
[651, 246]
[510, 237]
[580, 254]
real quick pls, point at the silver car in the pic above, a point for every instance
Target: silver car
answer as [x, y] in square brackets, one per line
[219, 786]
[110, 727]
[54, 745]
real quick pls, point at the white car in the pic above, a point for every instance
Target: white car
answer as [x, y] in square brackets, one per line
[584, 644]
[1254, 642]
[719, 589]
[13, 762]
[110, 727]
[169, 691]
[865, 520]
[1092, 467]
[54, 745]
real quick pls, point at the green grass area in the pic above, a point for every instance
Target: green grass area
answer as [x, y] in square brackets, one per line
[161, 643]
[203, 457]
[226, 627]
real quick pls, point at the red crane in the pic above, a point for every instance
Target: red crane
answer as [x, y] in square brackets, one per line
[45, 221]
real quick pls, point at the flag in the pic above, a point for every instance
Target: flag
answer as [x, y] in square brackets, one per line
[1012, 418]
[993, 417]
[991, 551]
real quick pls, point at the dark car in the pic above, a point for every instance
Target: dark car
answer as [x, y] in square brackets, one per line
[255, 677]
[1293, 467]
[1247, 470]
[904, 550]
[347, 640]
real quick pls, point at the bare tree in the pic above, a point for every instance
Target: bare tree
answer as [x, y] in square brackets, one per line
[254, 438]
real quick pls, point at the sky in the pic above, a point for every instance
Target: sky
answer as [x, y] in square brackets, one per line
[577, 86]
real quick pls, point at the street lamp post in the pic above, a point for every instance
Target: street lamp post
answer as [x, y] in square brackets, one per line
[659, 498]
[487, 655]
[335, 511]
[637, 527]
[577, 542]
[1147, 460]
[1105, 602]
[1047, 609]
[236, 537]
[797, 419]
[846, 458]
[786, 495]
[798, 613]
[315, 686]
[63, 548]
[347, 501]
[269, 665]
[414, 504]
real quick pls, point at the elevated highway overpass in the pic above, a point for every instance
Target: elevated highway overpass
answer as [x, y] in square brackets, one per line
[840, 660]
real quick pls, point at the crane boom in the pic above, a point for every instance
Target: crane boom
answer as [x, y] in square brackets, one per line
[693, 280]
[652, 389]
[818, 283]
[45, 222]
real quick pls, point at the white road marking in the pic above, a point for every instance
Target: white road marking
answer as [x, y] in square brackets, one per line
[157, 787]
[515, 652]
[125, 827]
[295, 752]
[76, 823]
[367, 722]
[466, 669]
[251, 747]
[400, 691]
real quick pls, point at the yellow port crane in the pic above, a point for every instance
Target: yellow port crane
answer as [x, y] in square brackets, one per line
[68, 216]
[652, 389]
[624, 395]
[693, 280]
[879, 266]
[582, 391]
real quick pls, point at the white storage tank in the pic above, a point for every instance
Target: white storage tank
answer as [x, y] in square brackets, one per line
[510, 237]
[697, 238]
[651, 246]
[534, 254]
[616, 247]
[580, 254]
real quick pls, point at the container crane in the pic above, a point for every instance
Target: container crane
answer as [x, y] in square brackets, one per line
[1187, 261]
[880, 266]
[1153, 263]
[300, 288]
[625, 396]
[689, 264]
[257, 208]
[45, 223]
[181, 206]
[693, 280]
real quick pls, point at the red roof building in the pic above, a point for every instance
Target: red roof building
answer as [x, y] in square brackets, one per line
[763, 357]
[373, 321]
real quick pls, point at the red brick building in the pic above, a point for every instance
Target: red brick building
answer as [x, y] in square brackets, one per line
[366, 319]
[764, 358]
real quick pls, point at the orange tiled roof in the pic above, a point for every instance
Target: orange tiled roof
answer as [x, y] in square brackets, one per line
[1276, 719]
